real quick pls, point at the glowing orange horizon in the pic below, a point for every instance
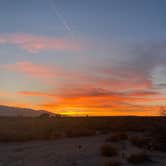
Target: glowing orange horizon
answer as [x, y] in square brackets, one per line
[104, 105]
[77, 93]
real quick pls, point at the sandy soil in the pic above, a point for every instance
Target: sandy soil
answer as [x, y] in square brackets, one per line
[83, 151]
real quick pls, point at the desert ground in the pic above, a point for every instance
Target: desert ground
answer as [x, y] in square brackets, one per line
[82, 151]
[112, 141]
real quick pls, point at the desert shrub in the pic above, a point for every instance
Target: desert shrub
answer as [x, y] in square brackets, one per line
[113, 163]
[109, 150]
[139, 141]
[137, 158]
[159, 138]
[159, 145]
[117, 137]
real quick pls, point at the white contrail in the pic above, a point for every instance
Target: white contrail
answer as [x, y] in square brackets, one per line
[61, 18]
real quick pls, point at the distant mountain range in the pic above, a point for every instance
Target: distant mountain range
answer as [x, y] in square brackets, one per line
[25, 112]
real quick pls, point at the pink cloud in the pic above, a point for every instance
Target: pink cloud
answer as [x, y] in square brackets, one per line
[31, 69]
[48, 73]
[4, 94]
[37, 94]
[34, 43]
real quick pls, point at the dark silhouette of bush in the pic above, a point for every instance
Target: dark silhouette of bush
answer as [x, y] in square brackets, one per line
[159, 138]
[139, 141]
[108, 150]
[138, 158]
[117, 136]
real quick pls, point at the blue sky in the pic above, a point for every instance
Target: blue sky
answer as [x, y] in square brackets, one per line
[129, 19]
[94, 46]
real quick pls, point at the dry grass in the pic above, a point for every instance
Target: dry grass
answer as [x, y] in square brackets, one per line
[80, 133]
[27, 129]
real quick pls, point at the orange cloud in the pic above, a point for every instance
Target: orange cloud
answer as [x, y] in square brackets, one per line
[124, 79]
[96, 101]
[34, 43]
[82, 92]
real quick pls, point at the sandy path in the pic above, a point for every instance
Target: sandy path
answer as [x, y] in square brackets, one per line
[63, 152]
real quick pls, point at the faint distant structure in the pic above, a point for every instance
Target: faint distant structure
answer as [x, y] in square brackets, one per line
[162, 111]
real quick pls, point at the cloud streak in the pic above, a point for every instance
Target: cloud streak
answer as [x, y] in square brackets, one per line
[60, 17]
[35, 44]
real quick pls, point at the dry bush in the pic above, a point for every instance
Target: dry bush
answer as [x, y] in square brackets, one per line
[117, 137]
[103, 132]
[139, 141]
[137, 158]
[159, 145]
[159, 138]
[108, 150]
[113, 163]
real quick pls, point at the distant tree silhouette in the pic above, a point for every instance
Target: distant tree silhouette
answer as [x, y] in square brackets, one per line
[44, 115]
[162, 111]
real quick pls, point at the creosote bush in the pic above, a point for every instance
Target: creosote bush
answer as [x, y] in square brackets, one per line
[139, 141]
[109, 150]
[137, 158]
[159, 138]
[115, 137]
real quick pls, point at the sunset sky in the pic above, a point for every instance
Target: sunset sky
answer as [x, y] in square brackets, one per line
[84, 57]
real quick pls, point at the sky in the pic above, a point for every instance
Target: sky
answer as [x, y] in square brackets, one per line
[91, 57]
